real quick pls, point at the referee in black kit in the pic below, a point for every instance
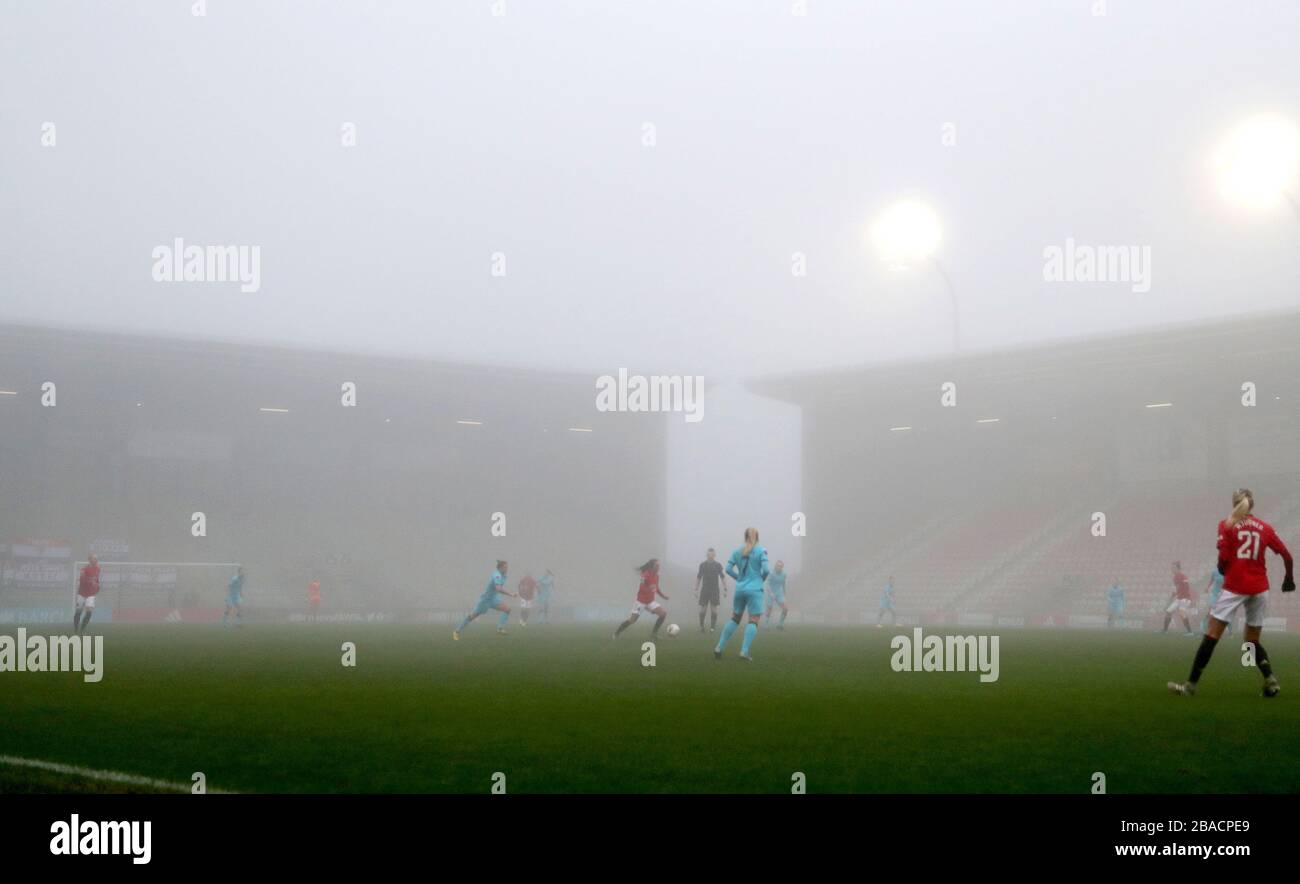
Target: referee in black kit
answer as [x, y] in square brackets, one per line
[710, 585]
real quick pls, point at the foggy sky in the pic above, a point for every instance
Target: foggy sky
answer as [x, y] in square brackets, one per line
[522, 134]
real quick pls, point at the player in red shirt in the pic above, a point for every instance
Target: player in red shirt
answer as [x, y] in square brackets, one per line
[87, 589]
[647, 599]
[1180, 599]
[1242, 541]
[313, 599]
[527, 592]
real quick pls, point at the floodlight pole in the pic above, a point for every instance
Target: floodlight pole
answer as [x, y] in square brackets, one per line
[952, 296]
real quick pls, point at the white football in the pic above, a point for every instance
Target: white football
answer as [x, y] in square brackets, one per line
[673, 629]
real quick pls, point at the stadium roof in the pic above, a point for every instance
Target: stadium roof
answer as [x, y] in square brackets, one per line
[210, 379]
[1258, 348]
[31, 340]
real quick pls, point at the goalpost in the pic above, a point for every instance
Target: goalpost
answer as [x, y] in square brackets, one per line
[158, 587]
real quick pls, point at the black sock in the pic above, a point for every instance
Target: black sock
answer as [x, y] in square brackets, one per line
[1202, 657]
[658, 623]
[701, 617]
[622, 626]
[713, 619]
[85, 618]
[1261, 660]
[76, 621]
[1168, 617]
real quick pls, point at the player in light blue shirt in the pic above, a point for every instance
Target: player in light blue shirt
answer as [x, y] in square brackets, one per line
[546, 586]
[748, 567]
[1215, 588]
[776, 593]
[1114, 603]
[235, 599]
[490, 600]
[887, 604]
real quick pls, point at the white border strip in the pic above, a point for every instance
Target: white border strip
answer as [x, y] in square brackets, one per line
[92, 774]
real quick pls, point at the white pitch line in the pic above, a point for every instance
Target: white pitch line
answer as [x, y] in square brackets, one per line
[92, 774]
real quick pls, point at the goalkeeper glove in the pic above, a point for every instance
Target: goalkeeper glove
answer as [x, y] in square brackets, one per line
[1288, 585]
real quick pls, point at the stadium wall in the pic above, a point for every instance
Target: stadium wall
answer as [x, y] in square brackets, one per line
[984, 508]
[390, 502]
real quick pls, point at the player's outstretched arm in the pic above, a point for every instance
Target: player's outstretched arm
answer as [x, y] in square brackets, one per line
[1275, 543]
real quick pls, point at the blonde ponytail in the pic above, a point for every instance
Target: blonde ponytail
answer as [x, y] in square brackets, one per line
[749, 544]
[1242, 503]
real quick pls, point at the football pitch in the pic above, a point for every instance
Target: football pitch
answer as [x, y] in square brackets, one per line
[562, 709]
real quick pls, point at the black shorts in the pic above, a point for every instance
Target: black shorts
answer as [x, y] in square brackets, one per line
[709, 597]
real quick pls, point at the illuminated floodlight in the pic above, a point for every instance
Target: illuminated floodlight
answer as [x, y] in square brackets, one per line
[1258, 163]
[907, 233]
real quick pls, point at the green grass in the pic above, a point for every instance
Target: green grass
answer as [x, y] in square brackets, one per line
[562, 709]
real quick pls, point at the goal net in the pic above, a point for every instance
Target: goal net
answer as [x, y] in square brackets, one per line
[156, 591]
